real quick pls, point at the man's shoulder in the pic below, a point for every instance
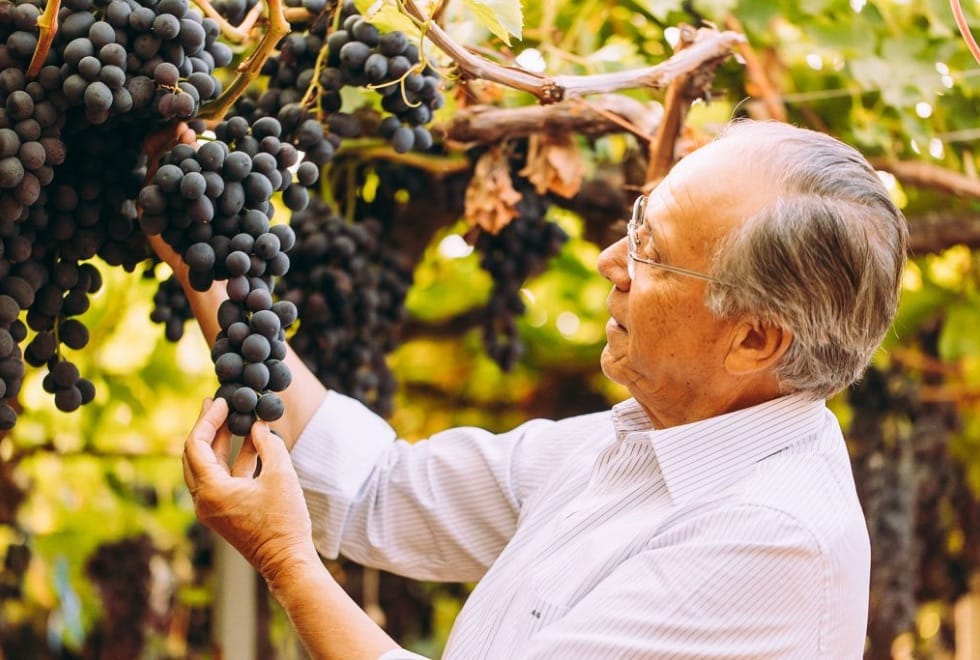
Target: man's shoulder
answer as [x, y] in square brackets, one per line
[816, 489]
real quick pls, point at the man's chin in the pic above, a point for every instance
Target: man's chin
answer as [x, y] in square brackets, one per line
[609, 365]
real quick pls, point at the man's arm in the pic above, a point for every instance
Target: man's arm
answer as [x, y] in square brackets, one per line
[438, 509]
[303, 396]
[264, 518]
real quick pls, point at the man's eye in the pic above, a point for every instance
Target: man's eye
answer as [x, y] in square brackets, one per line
[647, 247]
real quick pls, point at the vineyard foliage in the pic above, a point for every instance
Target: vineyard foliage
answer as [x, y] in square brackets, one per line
[332, 170]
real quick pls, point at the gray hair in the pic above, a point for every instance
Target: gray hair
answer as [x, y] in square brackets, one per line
[824, 259]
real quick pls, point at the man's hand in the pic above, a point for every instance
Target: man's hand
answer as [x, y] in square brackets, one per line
[256, 504]
[258, 507]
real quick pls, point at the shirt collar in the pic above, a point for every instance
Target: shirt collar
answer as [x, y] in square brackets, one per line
[706, 455]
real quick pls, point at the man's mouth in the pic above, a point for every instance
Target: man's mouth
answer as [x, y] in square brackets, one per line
[613, 324]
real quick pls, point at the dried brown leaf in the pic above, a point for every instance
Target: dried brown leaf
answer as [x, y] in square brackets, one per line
[491, 201]
[554, 163]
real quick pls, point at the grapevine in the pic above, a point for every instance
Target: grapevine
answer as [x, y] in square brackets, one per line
[510, 257]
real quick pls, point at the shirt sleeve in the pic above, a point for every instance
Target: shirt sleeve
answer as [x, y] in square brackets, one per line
[437, 509]
[737, 583]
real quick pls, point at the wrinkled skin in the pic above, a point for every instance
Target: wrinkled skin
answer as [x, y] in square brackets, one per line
[663, 344]
[263, 516]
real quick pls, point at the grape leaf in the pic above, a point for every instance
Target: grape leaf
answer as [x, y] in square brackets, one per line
[504, 18]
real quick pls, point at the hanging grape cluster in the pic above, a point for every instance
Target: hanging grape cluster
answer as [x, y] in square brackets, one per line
[510, 256]
[288, 77]
[213, 205]
[170, 306]
[15, 563]
[360, 55]
[349, 287]
[303, 89]
[71, 164]
[76, 183]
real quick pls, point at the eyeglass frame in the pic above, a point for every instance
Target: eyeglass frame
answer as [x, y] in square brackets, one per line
[632, 241]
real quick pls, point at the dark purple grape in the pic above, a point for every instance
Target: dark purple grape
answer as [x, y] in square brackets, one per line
[269, 407]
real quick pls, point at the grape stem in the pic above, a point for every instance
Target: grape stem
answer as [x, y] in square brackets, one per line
[248, 70]
[710, 47]
[298, 15]
[47, 26]
[311, 98]
[237, 34]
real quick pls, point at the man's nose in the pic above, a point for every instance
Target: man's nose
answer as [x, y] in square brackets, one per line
[612, 264]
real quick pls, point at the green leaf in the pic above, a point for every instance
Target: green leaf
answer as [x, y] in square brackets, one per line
[504, 18]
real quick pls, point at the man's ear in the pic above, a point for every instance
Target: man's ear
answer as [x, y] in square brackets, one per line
[756, 346]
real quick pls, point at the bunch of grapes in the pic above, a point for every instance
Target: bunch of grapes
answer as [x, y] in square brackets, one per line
[213, 205]
[234, 11]
[386, 62]
[885, 478]
[361, 55]
[513, 254]
[30, 144]
[289, 74]
[71, 165]
[350, 289]
[170, 306]
[73, 181]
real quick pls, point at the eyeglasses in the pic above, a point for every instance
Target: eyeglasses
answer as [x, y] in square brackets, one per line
[638, 232]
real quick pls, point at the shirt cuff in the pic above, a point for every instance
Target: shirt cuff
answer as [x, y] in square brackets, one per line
[334, 457]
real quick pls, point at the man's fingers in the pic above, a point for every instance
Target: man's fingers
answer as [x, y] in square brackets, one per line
[271, 449]
[198, 454]
[222, 445]
[189, 478]
[245, 462]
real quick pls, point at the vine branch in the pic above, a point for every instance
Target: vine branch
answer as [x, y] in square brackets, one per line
[601, 115]
[277, 28]
[710, 45]
[758, 82]
[927, 175]
[234, 33]
[681, 93]
[930, 233]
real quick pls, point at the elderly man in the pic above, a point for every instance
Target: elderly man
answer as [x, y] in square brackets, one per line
[711, 515]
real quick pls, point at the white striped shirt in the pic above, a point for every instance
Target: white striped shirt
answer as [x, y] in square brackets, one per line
[739, 536]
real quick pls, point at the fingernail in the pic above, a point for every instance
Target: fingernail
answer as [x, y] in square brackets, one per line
[206, 405]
